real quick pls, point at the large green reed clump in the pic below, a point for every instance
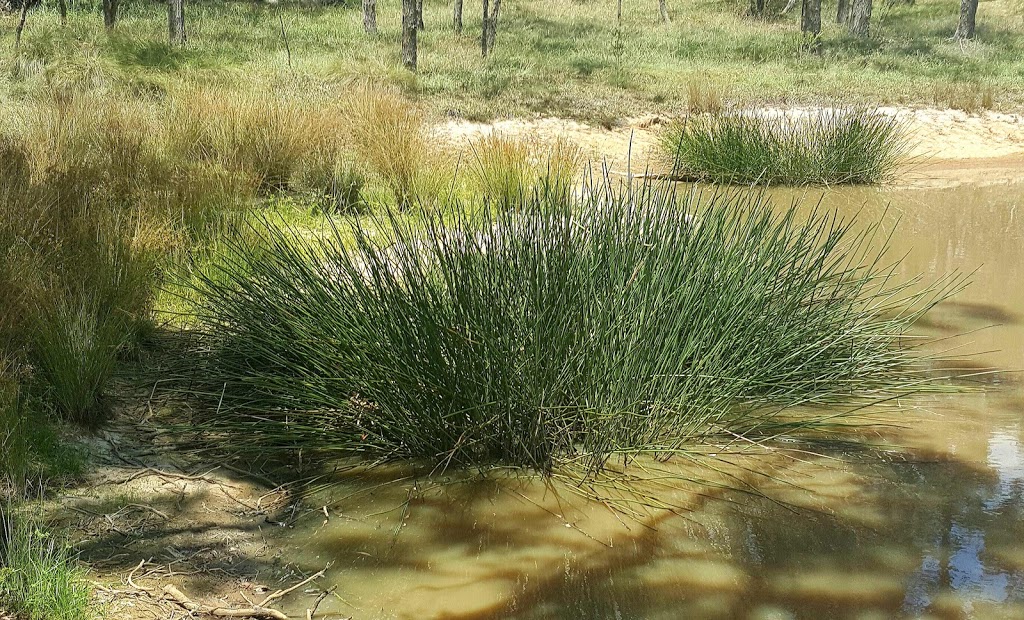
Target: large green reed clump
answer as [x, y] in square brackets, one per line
[822, 147]
[622, 321]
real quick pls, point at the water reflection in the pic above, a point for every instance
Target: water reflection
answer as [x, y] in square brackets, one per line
[934, 530]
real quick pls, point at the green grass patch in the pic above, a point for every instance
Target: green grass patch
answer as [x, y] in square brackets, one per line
[564, 330]
[39, 578]
[817, 147]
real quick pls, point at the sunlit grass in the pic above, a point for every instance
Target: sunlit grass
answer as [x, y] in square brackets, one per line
[555, 57]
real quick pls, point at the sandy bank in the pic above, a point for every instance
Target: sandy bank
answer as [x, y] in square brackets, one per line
[949, 146]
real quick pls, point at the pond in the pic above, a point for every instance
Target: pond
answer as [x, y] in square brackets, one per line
[927, 524]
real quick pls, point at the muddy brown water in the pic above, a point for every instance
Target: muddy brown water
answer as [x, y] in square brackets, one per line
[930, 527]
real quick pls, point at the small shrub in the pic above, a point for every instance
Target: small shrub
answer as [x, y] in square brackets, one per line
[824, 147]
[560, 331]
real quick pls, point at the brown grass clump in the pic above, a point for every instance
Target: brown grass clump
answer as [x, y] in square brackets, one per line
[390, 137]
[704, 98]
[504, 168]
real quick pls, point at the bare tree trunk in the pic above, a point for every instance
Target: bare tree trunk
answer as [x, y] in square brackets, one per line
[492, 31]
[860, 18]
[757, 7]
[484, 35]
[618, 13]
[663, 11]
[968, 15]
[457, 17]
[62, 8]
[370, 16]
[810, 23]
[109, 13]
[409, 34]
[843, 12]
[21, 24]
[419, 15]
[176, 21]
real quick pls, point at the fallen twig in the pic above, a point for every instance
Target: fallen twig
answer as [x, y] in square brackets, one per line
[259, 611]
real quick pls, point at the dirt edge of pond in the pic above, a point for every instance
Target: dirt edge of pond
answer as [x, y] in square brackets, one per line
[948, 147]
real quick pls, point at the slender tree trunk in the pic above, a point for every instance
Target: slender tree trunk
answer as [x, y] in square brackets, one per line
[109, 13]
[860, 18]
[457, 17]
[176, 21]
[492, 32]
[484, 35]
[843, 12]
[419, 15]
[757, 7]
[618, 13]
[62, 8]
[21, 24]
[409, 34]
[663, 11]
[810, 23]
[370, 16]
[968, 15]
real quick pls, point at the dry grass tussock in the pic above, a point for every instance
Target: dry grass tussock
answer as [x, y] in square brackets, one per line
[98, 190]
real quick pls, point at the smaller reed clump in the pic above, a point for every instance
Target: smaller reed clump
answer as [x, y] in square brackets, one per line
[567, 329]
[821, 147]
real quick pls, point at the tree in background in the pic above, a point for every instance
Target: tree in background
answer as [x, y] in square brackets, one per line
[859, 22]
[409, 34]
[176, 21]
[968, 15]
[370, 16]
[457, 16]
[843, 12]
[810, 23]
[663, 11]
[419, 15]
[109, 13]
[484, 38]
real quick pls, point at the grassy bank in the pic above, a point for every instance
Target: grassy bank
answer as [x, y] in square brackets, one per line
[553, 57]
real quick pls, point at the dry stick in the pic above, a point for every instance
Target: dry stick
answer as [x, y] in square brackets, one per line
[253, 612]
[281, 593]
[316, 604]
[132, 574]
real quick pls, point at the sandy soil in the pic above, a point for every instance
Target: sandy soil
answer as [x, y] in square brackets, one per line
[147, 517]
[949, 146]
